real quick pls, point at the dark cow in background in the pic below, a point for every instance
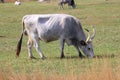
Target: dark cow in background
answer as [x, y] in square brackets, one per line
[69, 2]
[2, 1]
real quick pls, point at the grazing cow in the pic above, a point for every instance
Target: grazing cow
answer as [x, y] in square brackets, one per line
[69, 2]
[51, 27]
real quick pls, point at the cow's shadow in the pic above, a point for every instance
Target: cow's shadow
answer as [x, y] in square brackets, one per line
[67, 57]
[77, 57]
[105, 56]
[84, 57]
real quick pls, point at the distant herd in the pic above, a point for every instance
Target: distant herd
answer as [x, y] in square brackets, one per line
[60, 3]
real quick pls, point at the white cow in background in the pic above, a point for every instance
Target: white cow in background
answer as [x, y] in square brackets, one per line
[51, 27]
[17, 2]
[44, 0]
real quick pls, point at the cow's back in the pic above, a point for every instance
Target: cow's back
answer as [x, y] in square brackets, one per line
[53, 26]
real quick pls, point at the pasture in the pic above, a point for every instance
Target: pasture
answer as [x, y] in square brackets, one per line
[103, 14]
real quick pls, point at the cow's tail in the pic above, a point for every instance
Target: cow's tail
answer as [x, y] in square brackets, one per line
[19, 44]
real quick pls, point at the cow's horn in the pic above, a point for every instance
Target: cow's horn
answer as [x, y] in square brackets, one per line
[94, 32]
[88, 38]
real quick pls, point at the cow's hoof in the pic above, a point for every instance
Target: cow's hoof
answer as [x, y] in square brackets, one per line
[43, 58]
[32, 57]
[81, 56]
[62, 57]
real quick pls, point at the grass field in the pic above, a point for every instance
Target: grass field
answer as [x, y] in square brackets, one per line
[103, 14]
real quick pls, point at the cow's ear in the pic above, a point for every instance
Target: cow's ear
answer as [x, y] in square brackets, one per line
[83, 43]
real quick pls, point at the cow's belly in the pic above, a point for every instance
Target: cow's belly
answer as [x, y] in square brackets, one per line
[49, 32]
[49, 35]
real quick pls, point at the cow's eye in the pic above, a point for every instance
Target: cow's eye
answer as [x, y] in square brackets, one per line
[88, 48]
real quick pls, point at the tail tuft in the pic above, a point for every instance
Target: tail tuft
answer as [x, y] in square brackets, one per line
[19, 46]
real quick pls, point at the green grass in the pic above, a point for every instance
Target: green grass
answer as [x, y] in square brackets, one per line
[104, 15]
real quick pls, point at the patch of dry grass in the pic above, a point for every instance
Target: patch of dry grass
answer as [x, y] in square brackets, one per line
[95, 72]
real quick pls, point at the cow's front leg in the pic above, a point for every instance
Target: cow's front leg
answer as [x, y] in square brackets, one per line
[62, 41]
[80, 54]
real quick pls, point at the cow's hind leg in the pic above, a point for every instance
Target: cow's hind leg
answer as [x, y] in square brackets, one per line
[37, 47]
[62, 41]
[60, 4]
[30, 44]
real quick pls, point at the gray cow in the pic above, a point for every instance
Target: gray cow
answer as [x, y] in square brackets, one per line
[69, 2]
[51, 27]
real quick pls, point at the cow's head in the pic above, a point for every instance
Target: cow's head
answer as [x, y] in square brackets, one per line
[73, 6]
[72, 3]
[87, 46]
